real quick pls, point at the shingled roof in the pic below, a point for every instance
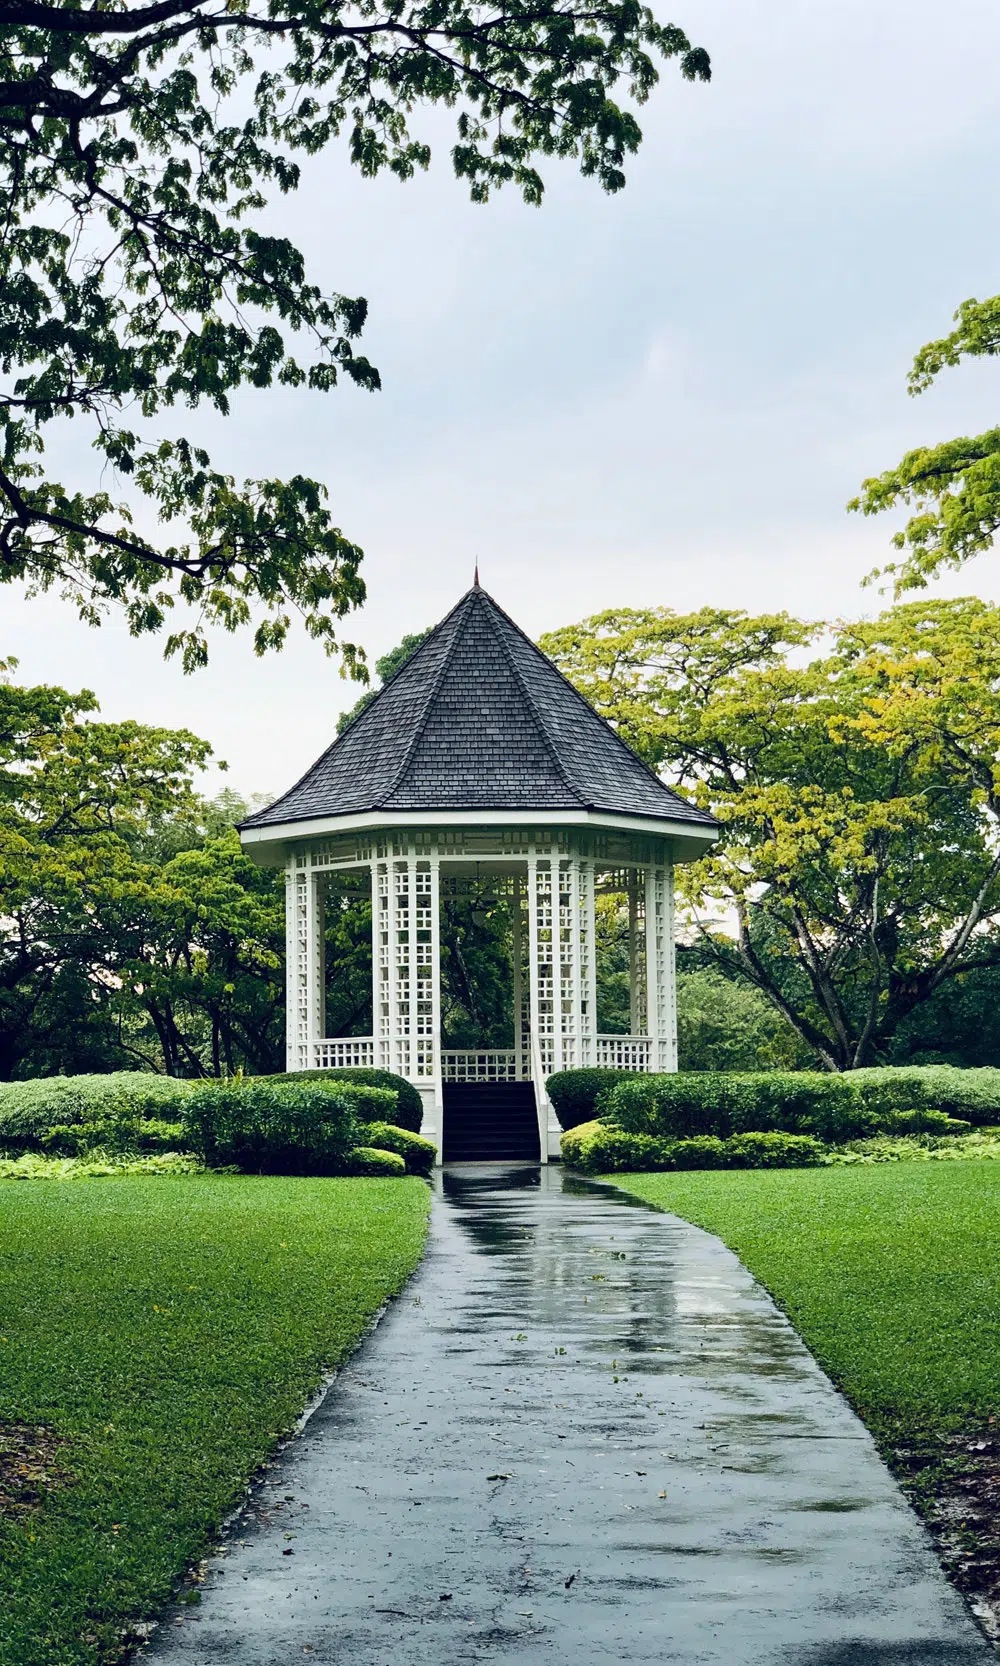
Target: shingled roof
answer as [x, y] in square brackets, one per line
[478, 719]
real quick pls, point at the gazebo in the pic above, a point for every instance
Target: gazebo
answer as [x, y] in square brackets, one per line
[477, 765]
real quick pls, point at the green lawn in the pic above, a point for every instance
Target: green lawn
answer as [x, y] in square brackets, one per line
[890, 1273]
[168, 1330]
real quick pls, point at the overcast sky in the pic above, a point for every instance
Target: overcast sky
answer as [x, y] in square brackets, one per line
[664, 397]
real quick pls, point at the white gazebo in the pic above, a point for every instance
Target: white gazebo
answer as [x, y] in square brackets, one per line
[477, 765]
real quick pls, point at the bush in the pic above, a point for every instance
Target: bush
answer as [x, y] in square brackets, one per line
[418, 1154]
[832, 1108]
[774, 1151]
[367, 1159]
[29, 1110]
[408, 1111]
[973, 1095]
[601, 1148]
[282, 1125]
[574, 1093]
[118, 1135]
[702, 1152]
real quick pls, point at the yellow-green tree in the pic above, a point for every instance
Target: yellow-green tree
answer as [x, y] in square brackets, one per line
[856, 772]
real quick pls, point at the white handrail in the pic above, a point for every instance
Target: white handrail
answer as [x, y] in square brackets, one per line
[541, 1099]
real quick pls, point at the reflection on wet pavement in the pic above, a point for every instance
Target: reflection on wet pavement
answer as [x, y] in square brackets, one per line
[581, 1435]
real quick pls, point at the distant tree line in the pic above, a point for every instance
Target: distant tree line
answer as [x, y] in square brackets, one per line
[849, 915]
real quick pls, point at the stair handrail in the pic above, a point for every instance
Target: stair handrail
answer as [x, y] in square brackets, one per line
[542, 1101]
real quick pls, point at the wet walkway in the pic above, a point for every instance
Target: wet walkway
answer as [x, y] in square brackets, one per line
[583, 1435]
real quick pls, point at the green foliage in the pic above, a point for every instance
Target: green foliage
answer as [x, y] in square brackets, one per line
[142, 268]
[983, 1145]
[955, 485]
[170, 1331]
[970, 1094]
[859, 797]
[575, 1093]
[604, 1148]
[134, 929]
[366, 1159]
[98, 1165]
[408, 1110]
[114, 1135]
[268, 1127]
[418, 1154]
[29, 1111]
[834, 1108]
[724, 1023]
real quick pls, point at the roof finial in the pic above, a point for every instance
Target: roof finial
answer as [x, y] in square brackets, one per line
[475, 578]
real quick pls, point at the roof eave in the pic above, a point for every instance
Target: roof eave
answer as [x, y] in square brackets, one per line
[268, 846]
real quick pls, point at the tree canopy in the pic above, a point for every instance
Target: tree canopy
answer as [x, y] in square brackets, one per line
[859, 793]
[141, 145]
[954, 486]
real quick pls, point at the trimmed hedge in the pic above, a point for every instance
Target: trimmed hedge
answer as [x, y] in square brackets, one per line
[418, 1154]
[29, 1110]
[831, 1108]
[118, 1135]
[603, 1148]
[408, 1111]
[574, 1093]
[268, 1126]
[367, 1159]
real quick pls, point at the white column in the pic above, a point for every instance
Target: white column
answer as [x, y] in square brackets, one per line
[295, 966]
[542, 962]
[660, 981]
[571, 990]
[588, 966]
[382, 962]
[668, 999]
[401, 1019]
[517, 968]
[435, 943]
[636, 979]
[304, 963]
[316, 963]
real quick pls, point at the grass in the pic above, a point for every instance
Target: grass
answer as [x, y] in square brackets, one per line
[168, 1331]
[889, 1272]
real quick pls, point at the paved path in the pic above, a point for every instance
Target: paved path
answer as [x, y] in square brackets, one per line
[582, 1436]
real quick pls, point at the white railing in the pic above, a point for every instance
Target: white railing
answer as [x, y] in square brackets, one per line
[483, 1065]
[343, 1053]
[624, 1052]
[491, 1064]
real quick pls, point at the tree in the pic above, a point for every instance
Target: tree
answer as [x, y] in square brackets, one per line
[140, 144]
[954, 486]
[76, 800]
[859, 795]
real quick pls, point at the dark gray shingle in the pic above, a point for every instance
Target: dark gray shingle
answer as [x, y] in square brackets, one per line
[478, 719]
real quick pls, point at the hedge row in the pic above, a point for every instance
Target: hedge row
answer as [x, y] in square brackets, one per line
[409, 1111]
[74, 1114]
[602, 1148]
[833, 1108]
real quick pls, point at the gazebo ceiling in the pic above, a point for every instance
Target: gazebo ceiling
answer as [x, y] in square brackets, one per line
[478, 720]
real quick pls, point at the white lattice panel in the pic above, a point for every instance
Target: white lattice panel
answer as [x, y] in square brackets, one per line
[343, 1053]
[623, 1052]
[485, 1065]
